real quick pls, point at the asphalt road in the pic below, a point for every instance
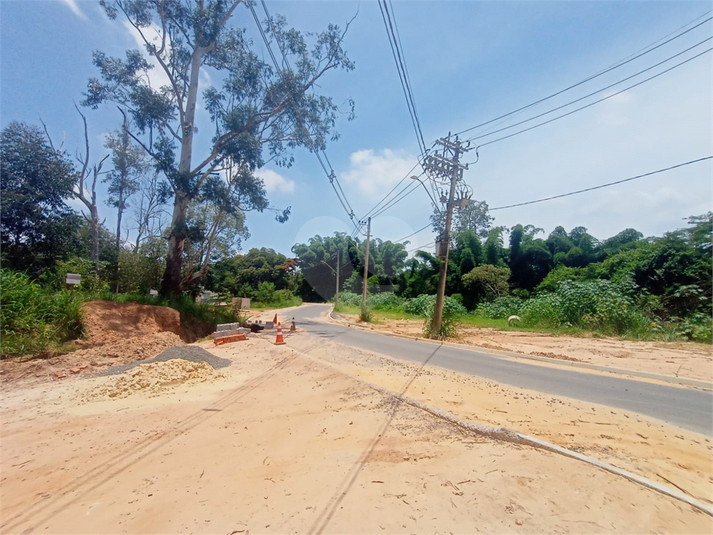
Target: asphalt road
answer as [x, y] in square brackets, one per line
[684, 407]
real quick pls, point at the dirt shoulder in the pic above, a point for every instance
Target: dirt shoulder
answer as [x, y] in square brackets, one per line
[675, 359]
[281, 442]
[646, 446]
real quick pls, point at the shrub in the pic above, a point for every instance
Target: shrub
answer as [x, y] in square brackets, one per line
[597, 305]
[385, 301]
[423, 305]
[35, 321]
[501, 308]
[265, 292]
[350, 299]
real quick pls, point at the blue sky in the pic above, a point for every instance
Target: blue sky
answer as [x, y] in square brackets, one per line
[468, 61]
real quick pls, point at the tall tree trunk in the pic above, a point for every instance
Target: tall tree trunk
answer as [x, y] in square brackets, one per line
[94, 227]
[120, 212]
[171, 284]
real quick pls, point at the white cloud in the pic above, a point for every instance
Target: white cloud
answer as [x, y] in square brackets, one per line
[375, 172]
[275, 182]
[72, 4]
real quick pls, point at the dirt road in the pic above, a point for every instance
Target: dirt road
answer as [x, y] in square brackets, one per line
[283, 442]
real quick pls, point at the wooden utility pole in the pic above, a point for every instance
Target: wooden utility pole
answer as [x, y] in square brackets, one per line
[336, 292]
[366, 264]
[445, 167]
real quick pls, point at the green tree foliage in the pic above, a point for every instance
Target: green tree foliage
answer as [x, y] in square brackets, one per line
[474, 217]
[487, 282]
[675, 268]
[317, 262]
[495, 254]
[242, 274]
[420, 276]
[38, 227]
[530, 258]
[256, 106]
[130, 166]
[140, 270]
[626, 239]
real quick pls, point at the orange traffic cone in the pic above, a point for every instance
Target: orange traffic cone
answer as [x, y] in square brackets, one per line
[274, 321]
[280, 340]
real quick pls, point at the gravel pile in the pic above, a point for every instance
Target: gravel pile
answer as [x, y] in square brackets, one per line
[189, 353]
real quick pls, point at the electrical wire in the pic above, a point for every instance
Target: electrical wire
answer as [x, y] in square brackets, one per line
[391, 191]
[396, 51]
[412, 234]
[603, 185]
[421, 247]
[596, 75]
[328, 170]
[490, 133]
[593, 103]
[404, 193]
[404, 67]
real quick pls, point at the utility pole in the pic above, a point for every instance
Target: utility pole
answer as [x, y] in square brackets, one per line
[445, 166]
[366, 264]
[336, 293]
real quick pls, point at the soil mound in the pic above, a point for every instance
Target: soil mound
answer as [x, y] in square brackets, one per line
[87, 360]
[107, 322]
[153, 379]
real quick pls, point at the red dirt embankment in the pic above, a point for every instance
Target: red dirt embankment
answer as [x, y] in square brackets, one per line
[116, 333]
[106, 321]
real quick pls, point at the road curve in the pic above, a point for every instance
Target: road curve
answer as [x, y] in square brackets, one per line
[687, 408]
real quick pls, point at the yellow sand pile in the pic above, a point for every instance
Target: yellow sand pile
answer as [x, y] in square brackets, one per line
[153, 379]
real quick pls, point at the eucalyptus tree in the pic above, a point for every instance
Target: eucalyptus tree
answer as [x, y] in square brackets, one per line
[125, 178]
[257, 106]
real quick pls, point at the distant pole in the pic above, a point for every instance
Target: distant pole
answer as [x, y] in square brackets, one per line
[366, 264]
[336, 293]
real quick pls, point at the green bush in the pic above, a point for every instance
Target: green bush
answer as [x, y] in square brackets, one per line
[596, 305]
[423, 305]
[265, 292]
[90, 281]
[350, 299]
[501, 308]
[34, 321]
[385, 301]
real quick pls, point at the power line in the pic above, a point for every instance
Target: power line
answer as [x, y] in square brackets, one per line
[404, 193]
[596, 75]
[421, 247]
[396, 50]
[595, 102]
[412, 234]
[603, 185]
[328, 170]
[490, 133]
[391, 191]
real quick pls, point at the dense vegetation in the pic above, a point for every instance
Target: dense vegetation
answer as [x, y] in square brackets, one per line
[626, 285]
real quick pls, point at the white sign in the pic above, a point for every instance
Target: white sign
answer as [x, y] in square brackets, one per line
[73, 278]
[153, 292]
